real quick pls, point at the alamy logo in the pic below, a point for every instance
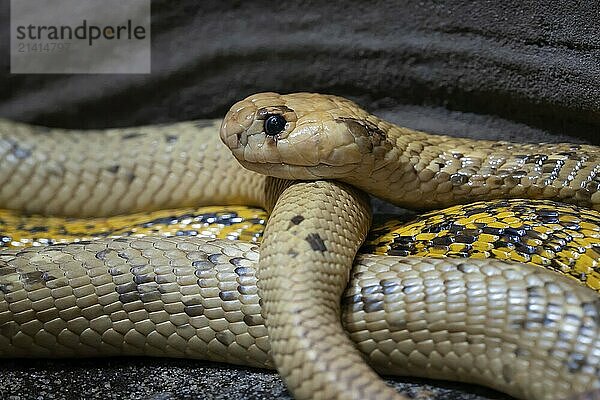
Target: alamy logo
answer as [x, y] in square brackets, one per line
[80, 36]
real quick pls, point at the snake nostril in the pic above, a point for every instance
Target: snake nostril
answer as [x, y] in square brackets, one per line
[274, 125]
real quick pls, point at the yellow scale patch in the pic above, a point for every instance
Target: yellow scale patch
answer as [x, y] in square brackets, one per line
[235, 223]
[557, 236]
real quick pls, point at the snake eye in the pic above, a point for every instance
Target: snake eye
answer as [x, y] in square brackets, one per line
[274, 125]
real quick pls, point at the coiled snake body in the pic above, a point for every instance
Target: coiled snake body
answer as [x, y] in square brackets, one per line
[522, 330]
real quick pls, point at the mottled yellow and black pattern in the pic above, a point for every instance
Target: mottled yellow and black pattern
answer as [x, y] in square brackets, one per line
[561, 237]
[243, 223]
[558, 236]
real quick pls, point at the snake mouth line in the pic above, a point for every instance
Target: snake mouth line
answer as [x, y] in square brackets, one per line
[299, 171]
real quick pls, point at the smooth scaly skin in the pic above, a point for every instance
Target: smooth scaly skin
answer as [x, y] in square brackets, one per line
[18, 152]
[303, 269]
[525, 331]
[116, 171]
[557, 236]
[329, 137]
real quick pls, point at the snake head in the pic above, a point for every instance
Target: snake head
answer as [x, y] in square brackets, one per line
[302, 135]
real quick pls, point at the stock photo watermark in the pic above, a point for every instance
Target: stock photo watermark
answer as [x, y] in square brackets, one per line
[80, 36]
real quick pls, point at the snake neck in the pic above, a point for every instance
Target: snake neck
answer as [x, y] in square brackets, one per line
[310, 241]
[418, 170]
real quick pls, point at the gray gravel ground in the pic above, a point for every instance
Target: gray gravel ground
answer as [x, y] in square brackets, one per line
[152, 379]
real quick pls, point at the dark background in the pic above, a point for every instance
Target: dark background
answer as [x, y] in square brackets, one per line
[529, 62]
[523, 71]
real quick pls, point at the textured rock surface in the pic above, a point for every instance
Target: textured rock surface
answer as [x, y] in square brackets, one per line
[177, 379]
[477, 69]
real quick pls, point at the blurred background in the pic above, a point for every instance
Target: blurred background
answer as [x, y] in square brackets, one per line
[513, 70]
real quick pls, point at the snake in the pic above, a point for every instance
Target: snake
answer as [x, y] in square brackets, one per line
[559, 237]
[524, 331]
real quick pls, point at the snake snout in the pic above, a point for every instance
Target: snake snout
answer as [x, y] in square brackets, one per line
[236, 123]
[253, 126]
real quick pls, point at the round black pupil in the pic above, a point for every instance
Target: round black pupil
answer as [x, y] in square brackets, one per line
[274, 125]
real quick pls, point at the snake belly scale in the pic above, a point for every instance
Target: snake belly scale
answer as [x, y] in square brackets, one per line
[528, 332]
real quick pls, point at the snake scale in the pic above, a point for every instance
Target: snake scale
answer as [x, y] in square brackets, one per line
[525, 331]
